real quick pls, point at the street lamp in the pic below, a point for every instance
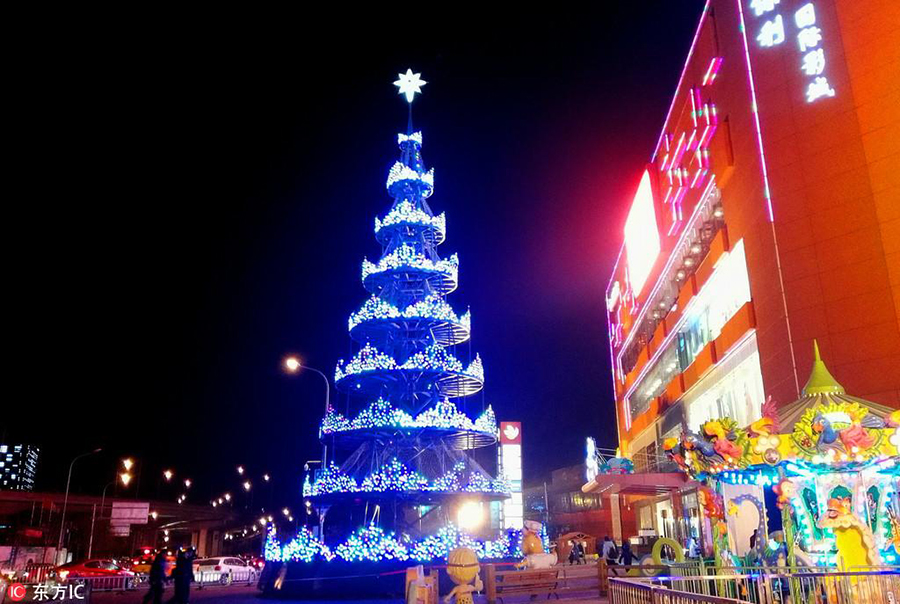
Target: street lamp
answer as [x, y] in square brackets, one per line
[125, 477]
[240, 470]
[247, 485]
[187, 483]
[266, 477]
[293, 365]
[168, 474]
[62, 520]
[127, 463]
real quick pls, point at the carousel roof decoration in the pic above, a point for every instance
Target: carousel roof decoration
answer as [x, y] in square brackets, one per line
[825, 428]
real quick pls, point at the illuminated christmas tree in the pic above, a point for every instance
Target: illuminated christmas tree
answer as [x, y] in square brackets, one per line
[404, 445]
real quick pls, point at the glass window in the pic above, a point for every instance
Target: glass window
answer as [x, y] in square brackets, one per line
[734, 389]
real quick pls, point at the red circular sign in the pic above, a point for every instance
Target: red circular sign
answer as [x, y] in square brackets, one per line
[17, 592]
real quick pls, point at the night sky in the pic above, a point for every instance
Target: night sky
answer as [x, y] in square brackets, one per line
[194, 202]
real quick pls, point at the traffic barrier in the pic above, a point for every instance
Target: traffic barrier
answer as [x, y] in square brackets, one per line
[221, 577]
[114, 583]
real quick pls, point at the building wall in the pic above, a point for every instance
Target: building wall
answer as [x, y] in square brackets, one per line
[811, 189]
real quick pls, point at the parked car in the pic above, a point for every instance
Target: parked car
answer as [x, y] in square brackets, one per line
[224, 569]
[98, 567]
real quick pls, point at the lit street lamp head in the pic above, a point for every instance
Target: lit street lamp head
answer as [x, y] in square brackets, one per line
[168, 474]
[127, 463]
[292, 364]
[125, 477]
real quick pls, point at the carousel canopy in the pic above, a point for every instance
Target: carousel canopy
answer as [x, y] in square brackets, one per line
[822, 389]
[825, 427]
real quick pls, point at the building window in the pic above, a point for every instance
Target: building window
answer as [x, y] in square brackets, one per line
[735, 390]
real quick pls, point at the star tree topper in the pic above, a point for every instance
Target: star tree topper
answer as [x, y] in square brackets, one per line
[409, 84]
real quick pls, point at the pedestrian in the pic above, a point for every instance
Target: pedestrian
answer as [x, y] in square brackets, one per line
[692, 547]
[627, 557]
[753, 538]
[182, 576]
[610, 552]
[157, 579]
[573, 554]
[579, 553]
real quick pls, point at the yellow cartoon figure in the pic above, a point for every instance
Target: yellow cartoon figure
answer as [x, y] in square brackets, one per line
[462, 568]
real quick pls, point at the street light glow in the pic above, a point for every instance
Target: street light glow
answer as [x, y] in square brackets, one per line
[292, 364]
[187, 483]
[127, 463]
[240, 470]
[125, 477]
[266, 477]
[227, 496]
[168, 474]
[286, 512]
[247, 485]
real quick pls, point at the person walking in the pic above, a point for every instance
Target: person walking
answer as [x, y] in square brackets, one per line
[156, 579]
[627, 557]
[182, 576]
[610, 553]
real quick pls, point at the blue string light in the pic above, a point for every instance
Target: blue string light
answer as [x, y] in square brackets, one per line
[374, 544]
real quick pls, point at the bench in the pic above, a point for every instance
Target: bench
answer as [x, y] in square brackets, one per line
[521, 583]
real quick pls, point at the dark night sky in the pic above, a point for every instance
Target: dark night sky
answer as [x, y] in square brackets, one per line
[195, 202]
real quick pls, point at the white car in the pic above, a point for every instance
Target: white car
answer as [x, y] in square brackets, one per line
[225, 569]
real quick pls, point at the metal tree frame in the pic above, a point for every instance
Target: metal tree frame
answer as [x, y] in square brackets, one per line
[404, 357]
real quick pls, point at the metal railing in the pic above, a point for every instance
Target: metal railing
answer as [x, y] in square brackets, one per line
[114, 583]
[224, 577]
[768, 586]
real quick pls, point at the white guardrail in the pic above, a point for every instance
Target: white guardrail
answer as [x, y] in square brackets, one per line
[224, 577]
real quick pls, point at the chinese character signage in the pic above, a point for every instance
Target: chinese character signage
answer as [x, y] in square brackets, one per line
[774, 24]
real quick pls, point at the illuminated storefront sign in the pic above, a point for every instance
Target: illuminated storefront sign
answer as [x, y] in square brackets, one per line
[591, 467]
[641, 236]
[771, 33]
[511, 469]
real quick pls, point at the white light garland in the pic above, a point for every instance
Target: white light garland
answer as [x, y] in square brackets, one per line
[381, 414]
[400, 171]
[394, 476]
[406, 212]
[415, 137]
[433, 358]
[407, 256]
[432, 307]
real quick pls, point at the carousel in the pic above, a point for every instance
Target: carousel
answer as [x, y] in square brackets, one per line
[813, 483]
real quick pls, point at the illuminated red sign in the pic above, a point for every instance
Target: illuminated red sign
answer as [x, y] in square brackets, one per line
[510, 433]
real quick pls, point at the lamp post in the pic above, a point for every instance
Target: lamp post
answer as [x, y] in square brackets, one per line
[293, 365]
[62, 520]
[126, 478]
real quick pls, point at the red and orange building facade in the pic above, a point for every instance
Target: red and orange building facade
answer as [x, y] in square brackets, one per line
[767, 217]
